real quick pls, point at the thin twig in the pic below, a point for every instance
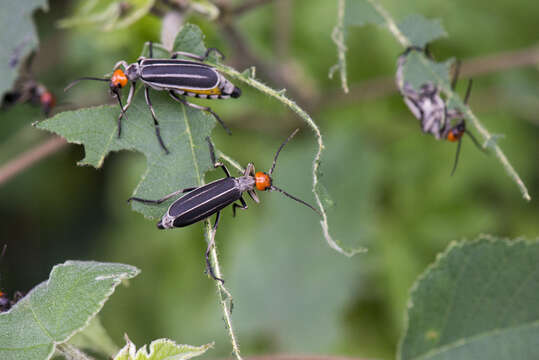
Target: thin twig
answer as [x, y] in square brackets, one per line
[244, 58]
[338, 38]
[501, 61]
[30, 157]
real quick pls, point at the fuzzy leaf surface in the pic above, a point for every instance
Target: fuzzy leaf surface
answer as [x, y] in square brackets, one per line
[479, 300]
[17, 38]
[183, 130]
[55, 310]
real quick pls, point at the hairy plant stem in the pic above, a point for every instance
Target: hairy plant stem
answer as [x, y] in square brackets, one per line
[225, 298]
[279, 95]
[338, 38]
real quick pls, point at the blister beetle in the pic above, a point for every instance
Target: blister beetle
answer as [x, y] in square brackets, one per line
[428, 106]
[28, 90]
[204, 201]
[178, 77]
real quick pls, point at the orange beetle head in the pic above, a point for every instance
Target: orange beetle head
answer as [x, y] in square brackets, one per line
[48, 101]
[456, 132]
[118, 79]
[262, 181]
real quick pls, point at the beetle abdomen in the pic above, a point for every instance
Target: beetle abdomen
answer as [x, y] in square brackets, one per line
[201, 203]
[178, 74]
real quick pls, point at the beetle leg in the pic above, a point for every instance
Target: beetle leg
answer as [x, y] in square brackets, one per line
[163, 199]
[209, 267]
[155, 122]
[215, 163]
[203, 108]
[126, 106]
[122, 63]
[243, 206]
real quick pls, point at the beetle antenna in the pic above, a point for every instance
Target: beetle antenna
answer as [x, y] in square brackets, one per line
[84, 78]
[468, 91]
[294, 198]
[456, 157]
[279, 150]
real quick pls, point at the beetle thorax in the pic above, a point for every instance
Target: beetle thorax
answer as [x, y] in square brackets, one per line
[245, 183]
[133, 72]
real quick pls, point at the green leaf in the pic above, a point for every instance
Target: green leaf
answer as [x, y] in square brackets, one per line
[420, 31]
[108, 15]
[17, 38]
[419, 69]
[479, 300]
[55, 310]
[190, 39]
[183, 130]
[360, 13]
[160, 350]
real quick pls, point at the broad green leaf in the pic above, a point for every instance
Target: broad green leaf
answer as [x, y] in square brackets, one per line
[55, 310]
[479, 300]
[183, 130]
[162, 349]
[360, 13]
[420, 31]
[17, 38]
[108, 15]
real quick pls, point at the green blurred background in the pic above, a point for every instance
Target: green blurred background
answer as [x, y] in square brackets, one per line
[389, 182]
